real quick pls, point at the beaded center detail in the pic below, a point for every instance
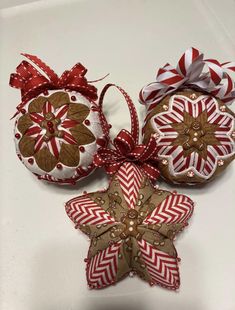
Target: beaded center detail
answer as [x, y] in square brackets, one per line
[50, 123]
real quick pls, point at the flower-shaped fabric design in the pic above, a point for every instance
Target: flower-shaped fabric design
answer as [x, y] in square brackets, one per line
[52, 131]
[194, 134]
[132, 226]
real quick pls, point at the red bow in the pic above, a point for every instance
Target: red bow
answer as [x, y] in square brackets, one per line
[126, 149]
[32, 82]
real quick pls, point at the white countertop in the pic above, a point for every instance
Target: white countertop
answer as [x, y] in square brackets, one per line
[41, 254]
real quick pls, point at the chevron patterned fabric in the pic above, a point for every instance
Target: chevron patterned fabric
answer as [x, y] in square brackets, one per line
[132, 226]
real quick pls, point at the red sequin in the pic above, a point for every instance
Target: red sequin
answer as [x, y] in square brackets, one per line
[30, 161]
[59, 166]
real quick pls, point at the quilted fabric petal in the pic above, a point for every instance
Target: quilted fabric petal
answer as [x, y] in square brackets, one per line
[131, 226]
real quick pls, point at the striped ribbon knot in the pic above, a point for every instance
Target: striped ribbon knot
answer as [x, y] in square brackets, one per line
[192, 71]
[127, 150]
[32, 82]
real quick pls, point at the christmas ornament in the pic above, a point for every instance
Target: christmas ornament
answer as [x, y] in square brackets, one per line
[132, 224]
[59, 125]
[188, 114]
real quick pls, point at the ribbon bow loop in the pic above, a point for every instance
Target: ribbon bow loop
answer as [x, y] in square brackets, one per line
[127, 150]
[33, 82]
[124, 142]
[192, 71]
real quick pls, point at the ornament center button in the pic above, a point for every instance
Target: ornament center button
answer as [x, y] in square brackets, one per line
[50, 123]
[194, 135]
[131, 221]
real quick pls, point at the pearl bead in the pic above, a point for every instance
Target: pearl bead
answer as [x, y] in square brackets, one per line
[156, 135]
[131, 274]
[165, 107]
[190, 174]
[165, 162]
[193, 96]
[220, 162]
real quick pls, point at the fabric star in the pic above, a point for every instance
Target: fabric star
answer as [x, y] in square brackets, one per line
[131, 226]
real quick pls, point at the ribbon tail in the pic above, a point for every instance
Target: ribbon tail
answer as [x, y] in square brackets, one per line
[98, 80]
[44, 68]
[151, 171]
[150, 150]
[112, 169]
[98, 161]
[16, 113]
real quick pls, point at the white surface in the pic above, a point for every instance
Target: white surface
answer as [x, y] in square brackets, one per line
[10, 3]
[41, 260]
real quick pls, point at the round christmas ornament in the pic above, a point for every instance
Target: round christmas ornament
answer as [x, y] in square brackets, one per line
[188, 114]
[132, 224]
[59, 125]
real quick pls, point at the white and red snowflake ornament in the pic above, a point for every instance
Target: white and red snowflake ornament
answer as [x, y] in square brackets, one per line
[132, 226]
[187, 113]
[59, 125]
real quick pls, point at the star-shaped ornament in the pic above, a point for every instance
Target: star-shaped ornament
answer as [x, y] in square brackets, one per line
[132, 226]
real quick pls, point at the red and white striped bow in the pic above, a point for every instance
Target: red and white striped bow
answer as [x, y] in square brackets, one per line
[192, 71]
[32, 82]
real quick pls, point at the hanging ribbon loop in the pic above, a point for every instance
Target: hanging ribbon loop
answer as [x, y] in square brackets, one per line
[126, 145]
[34, 80]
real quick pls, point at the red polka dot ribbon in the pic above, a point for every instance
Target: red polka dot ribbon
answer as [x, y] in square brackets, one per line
[192, 71]
[32, 82]
[126, 147]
